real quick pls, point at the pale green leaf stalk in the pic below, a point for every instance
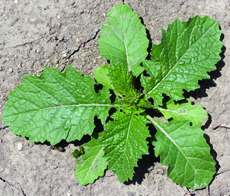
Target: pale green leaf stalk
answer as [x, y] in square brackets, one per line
[59, 106]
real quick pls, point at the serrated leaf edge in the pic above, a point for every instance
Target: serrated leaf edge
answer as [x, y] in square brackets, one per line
[168, 136]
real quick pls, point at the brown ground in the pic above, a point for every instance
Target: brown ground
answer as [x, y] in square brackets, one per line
[39, 33]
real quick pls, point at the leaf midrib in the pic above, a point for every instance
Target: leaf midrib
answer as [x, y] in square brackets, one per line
[126, 48]
[171, 139]
[66, 106]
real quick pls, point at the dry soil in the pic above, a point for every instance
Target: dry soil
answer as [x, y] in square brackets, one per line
[39, 33]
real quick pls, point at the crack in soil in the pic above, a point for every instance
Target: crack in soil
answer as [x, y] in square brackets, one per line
[226, 170]
[83, 44]
[13, 185]
[2, 128]
[109, 176]
[221, 125]
[28, 42]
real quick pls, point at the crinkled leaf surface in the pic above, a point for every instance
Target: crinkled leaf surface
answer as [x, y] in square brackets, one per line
[56, 106]
[123, 38]
[180, 112]
[125, 142]
[116, 77]
[119, 79]
[93, 163]
[188, 50]
[123, 83]
[122, 80]
[184, 150]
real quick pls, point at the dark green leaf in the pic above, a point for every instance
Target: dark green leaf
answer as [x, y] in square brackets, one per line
[125, 142]
[123, 38]
[56, 106]
[188, 50]
[184, 150]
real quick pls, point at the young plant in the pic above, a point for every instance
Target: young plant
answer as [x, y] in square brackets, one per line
[59, 106]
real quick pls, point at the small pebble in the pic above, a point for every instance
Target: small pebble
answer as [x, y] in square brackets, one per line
[64, 54]
[69, 193]
[55, 166]
[4, 98]
[19, 146]
[10, 70]
[159, 171]
[33, 20]
[13, 22]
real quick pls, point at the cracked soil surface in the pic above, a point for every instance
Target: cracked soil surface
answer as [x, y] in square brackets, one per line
[39, 33]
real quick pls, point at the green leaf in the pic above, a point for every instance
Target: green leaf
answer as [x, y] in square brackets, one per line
[93, 164]
[77, 153]
[188, 50]
[180, 112]
[123, 38]
[123, 83]
[124, 140]
[56, 106]
[101, 75]
[184, 150]
[120, 80]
